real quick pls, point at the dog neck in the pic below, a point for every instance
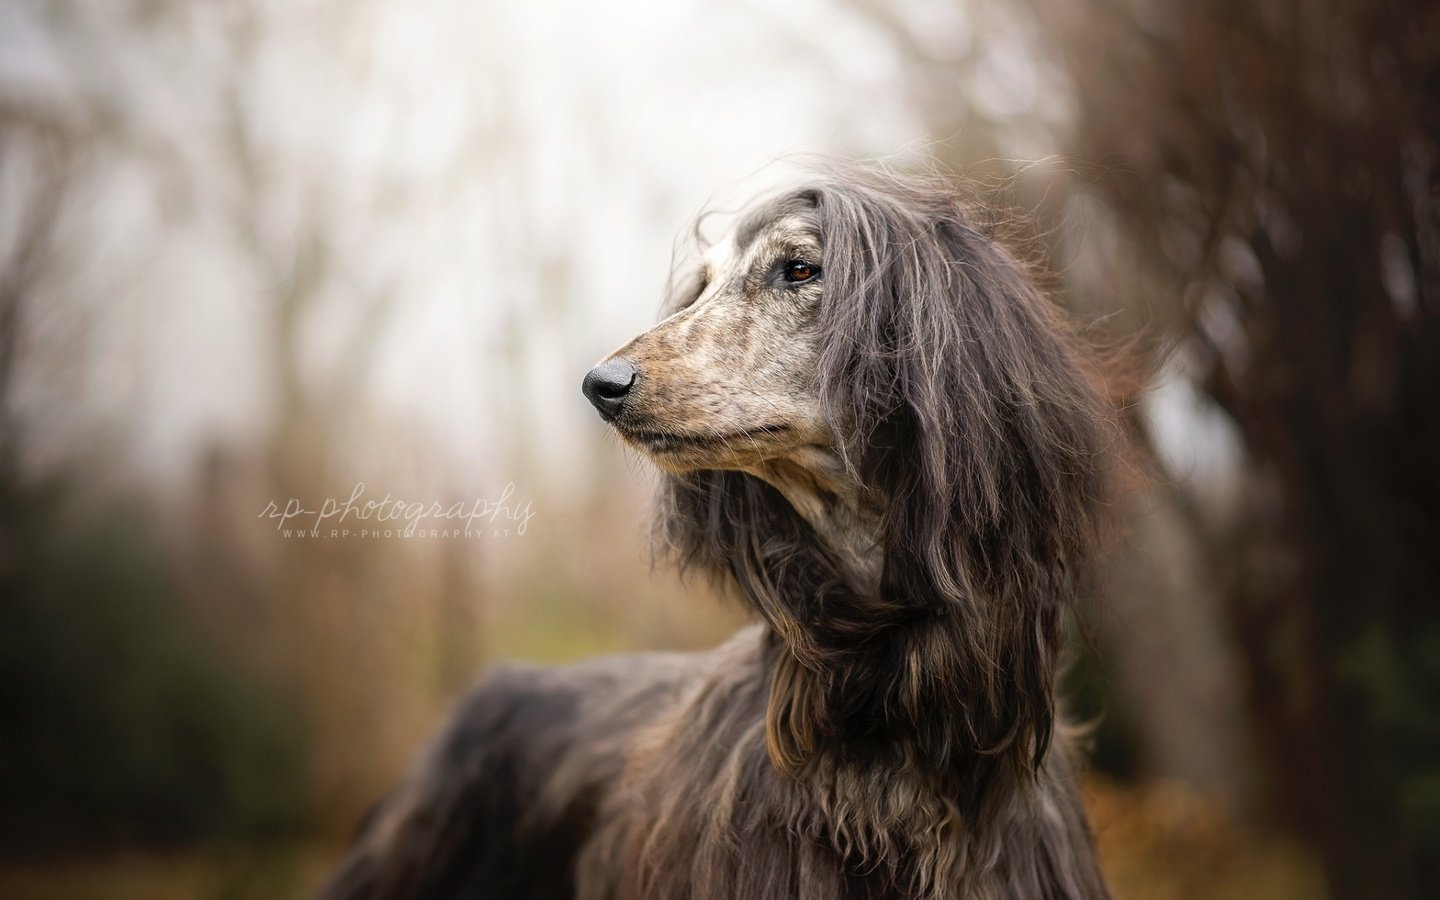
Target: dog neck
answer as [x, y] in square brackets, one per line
[844, 515]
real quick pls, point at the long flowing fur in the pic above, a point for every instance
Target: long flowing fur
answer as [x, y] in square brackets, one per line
[897, 742]
[964, 404]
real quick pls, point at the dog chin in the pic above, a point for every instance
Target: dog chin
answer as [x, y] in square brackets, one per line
[681, 451]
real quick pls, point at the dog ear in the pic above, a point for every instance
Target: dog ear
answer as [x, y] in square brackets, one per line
[962, 401]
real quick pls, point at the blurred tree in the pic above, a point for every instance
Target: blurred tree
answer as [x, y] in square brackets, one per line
[1275, 165]
[264, 188]
[1272, 170]
[121, 721]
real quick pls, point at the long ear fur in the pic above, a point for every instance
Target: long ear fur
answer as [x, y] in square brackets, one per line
[962, 402]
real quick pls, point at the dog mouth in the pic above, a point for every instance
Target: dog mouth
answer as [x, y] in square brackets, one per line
[656, 441]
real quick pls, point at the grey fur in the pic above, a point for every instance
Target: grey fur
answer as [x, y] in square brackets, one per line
[901, 464]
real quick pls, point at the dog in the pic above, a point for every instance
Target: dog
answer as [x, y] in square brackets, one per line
[875, 427]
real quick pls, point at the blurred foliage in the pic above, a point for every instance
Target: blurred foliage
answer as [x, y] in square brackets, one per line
[1167, 841]
[234, 873]
[1089, 688]
[123, 721]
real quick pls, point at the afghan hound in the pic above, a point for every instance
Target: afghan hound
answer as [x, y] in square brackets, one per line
[872, 423]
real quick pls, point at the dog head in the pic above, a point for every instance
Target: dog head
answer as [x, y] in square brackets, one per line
[729, 379]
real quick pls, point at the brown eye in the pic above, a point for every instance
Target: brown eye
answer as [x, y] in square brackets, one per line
[797, 271]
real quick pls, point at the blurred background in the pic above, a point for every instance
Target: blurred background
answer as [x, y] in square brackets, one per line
[257, 255]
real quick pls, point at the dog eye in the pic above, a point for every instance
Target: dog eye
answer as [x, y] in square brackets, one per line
[798, 271]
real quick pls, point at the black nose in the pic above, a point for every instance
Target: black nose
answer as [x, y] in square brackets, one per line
[607, 386]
